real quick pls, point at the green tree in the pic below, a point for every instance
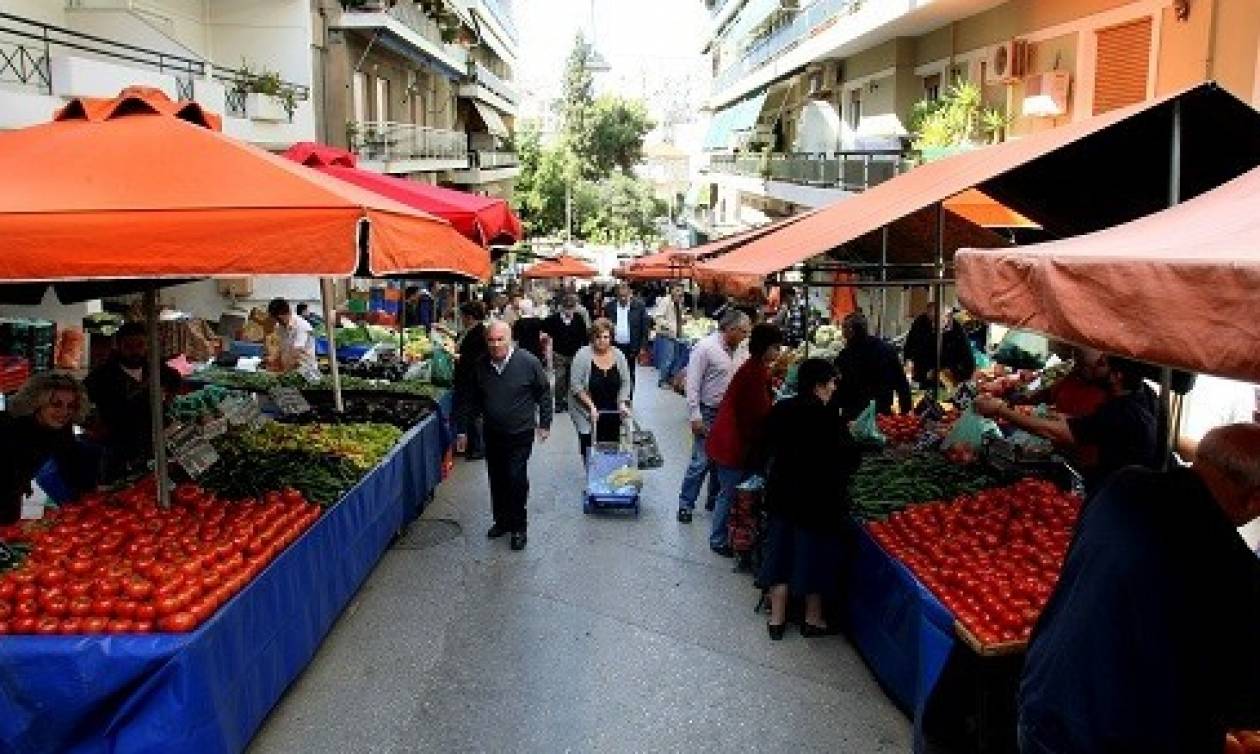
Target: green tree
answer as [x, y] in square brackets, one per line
[623, 209]
[618, 127]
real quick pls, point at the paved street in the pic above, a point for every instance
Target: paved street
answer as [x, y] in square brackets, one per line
[607, 633]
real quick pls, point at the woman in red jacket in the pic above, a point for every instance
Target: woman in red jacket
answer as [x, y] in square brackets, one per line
[737, 429]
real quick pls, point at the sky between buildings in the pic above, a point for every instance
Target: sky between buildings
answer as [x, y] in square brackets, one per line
[653, 47]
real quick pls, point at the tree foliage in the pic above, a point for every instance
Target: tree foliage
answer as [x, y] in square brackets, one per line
[601, 142]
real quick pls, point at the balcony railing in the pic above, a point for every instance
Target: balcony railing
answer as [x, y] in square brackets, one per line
[494, 160]
[850, 171]
[387, 141]
[415, 19]
[807, 23]
[27, 47]
[487, 78]
[500, 12]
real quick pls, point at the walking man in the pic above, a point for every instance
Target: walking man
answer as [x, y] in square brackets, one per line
[630, 327]
[510, 389]
[567, 330]
[709, 372]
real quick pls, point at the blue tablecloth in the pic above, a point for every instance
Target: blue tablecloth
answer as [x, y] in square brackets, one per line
[209, 690]
[901, 629]
[434, 438]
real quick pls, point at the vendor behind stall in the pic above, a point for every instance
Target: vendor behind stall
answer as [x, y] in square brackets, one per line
[297, 343]
[119, 390]
[1122, 428]
[39, 427]
[869, 370]
[1148, 643]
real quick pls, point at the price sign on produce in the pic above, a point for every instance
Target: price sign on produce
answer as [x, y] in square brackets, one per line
[212, 428]
[190, 449]
[290, 401]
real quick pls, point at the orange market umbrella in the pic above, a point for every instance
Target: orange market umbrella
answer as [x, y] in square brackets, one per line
[559, 267]
[142, 187]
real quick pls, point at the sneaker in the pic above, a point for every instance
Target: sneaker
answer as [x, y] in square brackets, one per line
[684, 515]
[725, 551]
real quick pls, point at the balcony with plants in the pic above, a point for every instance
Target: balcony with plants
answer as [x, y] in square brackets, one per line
[407, 147]
[431, 24]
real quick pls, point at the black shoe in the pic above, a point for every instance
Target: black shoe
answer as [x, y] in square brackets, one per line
[474, 456]
[518, 540]
[810, 631]
[776, 632]
[495, 532]
[684, 515]
[725, 551]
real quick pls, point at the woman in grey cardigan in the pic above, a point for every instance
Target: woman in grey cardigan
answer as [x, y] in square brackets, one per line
[599, 388]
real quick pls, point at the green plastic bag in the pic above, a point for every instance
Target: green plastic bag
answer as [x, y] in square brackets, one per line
[866, 430]
[443, 371]
[970, 431]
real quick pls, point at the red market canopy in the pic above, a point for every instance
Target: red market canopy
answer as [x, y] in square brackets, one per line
[1074, 179]
[559, 267]
[666, 264]
[483, 219]
[1176, 288]
[142, 187]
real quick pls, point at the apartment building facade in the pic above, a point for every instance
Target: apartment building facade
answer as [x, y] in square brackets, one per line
[812, 99]
[422, 88]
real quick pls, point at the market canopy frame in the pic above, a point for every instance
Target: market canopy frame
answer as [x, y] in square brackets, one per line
[1056, 178]
[1176, 288]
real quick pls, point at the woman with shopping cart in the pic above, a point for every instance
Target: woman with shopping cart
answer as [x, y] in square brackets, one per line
[599, 389]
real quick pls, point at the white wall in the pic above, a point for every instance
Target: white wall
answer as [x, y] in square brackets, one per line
[275, 34]
[202, 299]
[46, 11]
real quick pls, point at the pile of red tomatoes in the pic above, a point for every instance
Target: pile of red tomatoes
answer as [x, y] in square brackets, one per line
[119, 563]
[992, 557]
[900, 428]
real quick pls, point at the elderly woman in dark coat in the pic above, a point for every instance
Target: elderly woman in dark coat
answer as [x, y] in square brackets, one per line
[809, 460]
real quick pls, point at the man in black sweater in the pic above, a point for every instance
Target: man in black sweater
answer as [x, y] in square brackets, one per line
[510, 389]
[567, 330]
[869, 371]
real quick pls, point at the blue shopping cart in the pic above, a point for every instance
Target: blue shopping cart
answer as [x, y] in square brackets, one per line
[603, 461]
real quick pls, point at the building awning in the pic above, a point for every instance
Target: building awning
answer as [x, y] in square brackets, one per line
[492, 119]
[739, 117]
[1070, 180]
[1104, 289]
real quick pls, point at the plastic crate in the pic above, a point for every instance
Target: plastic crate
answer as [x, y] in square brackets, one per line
[603, 461]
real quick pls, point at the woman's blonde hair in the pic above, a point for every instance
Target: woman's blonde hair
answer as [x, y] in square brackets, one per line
[38, 392]
[601, 325]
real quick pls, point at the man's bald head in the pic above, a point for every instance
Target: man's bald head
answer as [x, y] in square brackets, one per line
[1228, 461]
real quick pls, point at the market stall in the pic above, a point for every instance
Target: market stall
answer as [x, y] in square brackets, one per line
[238, 580]
[558, 268]
[916, 602]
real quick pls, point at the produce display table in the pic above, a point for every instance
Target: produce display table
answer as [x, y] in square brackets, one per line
[209, 690]
[901, 629]
[433, 436]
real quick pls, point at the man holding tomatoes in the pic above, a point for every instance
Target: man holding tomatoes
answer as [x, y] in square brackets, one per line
[1149, 642]
[1122, 428]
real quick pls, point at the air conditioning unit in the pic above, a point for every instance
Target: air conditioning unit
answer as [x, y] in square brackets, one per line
[1005, 64]
[1046, 94]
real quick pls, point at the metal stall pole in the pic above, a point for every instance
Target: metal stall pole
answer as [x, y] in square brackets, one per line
[809, 307]
[156, 413]
[940, 296]
[326, 293]
[883, 278]
[1166, 440]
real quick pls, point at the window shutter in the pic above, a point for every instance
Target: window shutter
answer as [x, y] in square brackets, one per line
[1123, 66]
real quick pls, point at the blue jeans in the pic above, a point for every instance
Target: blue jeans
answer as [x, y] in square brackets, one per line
[728, 477]
[666, 355]
[700, 466]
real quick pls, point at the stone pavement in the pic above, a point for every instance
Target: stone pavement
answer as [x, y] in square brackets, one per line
[607, 634]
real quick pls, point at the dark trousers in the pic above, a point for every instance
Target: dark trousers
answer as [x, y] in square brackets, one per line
[507, 464]
[632, 361]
